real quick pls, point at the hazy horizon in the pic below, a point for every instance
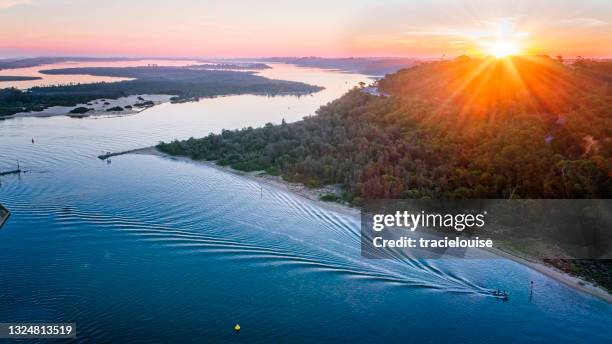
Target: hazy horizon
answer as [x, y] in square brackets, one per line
[254, 58]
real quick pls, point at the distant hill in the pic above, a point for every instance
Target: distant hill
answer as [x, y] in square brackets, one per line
[369, 66]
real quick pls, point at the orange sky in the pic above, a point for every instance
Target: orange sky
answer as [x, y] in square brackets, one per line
[300, 28]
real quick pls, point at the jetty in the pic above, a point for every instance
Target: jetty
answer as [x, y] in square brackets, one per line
[4, 215]
[110, 154]
[17, 171]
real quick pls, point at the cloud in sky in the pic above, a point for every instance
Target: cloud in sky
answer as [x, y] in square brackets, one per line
[587, 22]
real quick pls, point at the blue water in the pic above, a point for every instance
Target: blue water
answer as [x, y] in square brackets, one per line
[148, 249]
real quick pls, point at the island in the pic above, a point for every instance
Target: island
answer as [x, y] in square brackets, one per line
[184, 83]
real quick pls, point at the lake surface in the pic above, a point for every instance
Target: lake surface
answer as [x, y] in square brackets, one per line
[147, 249]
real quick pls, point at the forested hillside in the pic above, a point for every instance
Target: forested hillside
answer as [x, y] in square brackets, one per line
[525, 127]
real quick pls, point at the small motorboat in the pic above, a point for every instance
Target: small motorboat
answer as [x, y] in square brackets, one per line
[500, 294]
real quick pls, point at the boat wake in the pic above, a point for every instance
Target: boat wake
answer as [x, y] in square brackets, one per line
[269, 229]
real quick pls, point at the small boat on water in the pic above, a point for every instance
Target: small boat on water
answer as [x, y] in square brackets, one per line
[4, 215]
[500, 294]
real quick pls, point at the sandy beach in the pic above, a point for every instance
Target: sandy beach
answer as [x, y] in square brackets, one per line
[313, 195]
[558, 275]
[101, 107]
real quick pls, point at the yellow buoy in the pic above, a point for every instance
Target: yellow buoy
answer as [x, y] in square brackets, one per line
[237, 328]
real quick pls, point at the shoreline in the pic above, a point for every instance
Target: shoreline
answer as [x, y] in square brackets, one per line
[272, 181]
[99, 107]
[571, 281]
[313, 195]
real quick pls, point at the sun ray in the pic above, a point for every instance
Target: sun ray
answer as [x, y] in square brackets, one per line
[466, 81]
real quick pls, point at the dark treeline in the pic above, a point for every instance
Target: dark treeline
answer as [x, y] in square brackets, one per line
[520, 128]
[185, 83]
[18, 78]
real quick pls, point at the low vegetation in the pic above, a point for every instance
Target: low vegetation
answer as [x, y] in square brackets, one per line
[80, 109]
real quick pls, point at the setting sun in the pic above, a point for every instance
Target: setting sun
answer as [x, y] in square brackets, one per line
[503, 49]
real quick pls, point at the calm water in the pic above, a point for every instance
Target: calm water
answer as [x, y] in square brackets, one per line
[147, 249]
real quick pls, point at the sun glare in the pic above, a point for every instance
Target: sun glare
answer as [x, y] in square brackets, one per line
[502, 49]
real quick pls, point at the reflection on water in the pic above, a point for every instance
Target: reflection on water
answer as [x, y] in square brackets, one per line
[147, 249]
